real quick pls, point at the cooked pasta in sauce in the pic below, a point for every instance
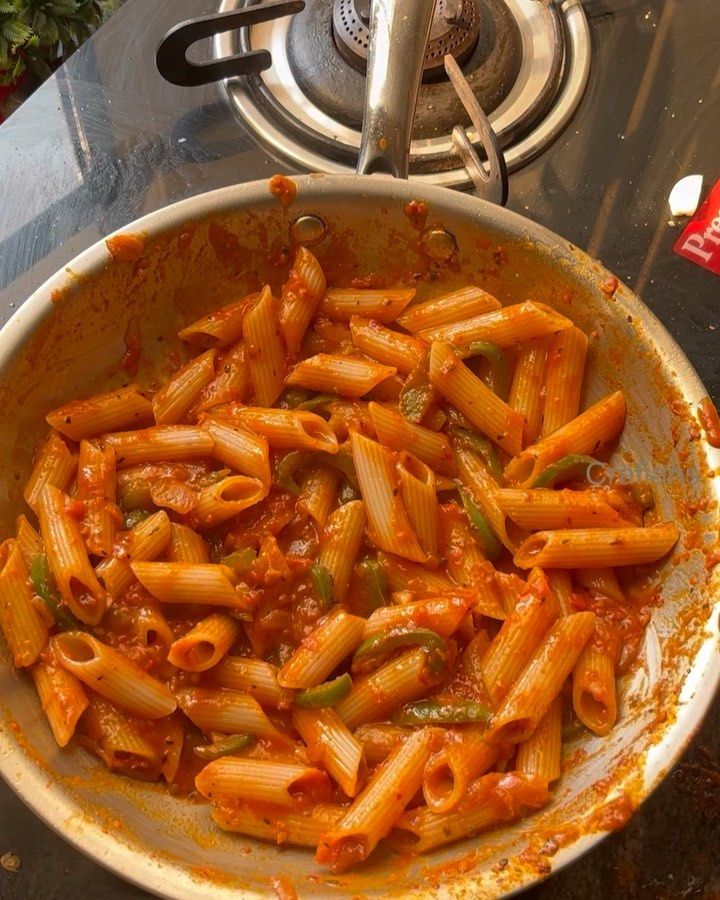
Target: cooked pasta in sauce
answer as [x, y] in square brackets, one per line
[350, 574]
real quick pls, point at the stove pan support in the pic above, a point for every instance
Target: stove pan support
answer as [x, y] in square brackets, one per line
[171, 55]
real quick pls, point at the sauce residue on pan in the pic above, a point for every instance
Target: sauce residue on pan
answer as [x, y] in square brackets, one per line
[417, 213]
[710, 421]
[126, 247]
[283, 188]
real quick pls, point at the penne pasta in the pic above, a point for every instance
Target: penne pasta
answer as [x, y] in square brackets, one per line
[545, 509]
[259, 780]
[68, 558]
[333, 639]
[240, 449]
[264, 349]
[454, 380]
[341, 304]
[379, 740]
[279, 826]
[600, 582]
[441, 614]
[392, 348]
[301, 295]
[146, 541]
[405, 576]
[54, 464]
[251, 676]
[186, 545]
[585, 548]
[124, 408]
[585, 434]
[206, 644]
[112, 675]
[163, 443]
[541, 680]
[372, 815]
[594, 695]
[347, 376]
[28, 540]
[564, 378]
[540, 756]
[96, 488]
[464, 303]
[225, 499]
[502, 327]
[119, 742]
[332, 745]
[318, 493]
[340, 545]
[485, 492]
[527, 389]
[183, 582]
[62, 697]
[25, 632]
[418, 489]
[227, 712]
[448, 773]
[173, 403]
[389, 526]
[221, 327]
[395, 432]
[290, 428]
[230, 384]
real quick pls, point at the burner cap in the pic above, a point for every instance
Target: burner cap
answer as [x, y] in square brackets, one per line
[455, 30]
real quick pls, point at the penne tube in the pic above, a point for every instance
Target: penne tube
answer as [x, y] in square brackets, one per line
[146, 541]
[395, 432]
[448, 773]
[594, 695]
[251, 676]
[227, 712]
[291, 428]
[54, 464]
[585, 548]
[418, 489]
[389, 526]
[464, 303]
[206, 644]
[318, 493]
[119, 742]
[259, 780]
[564, 378]
[377, 696]
[278, 826]
[25, 631]
[240, 449]
[540, 757]
[301, 295]
[114, 411]
[173, 403]
[484, 490]
[561, 585]
[321, 652]
[353, 838]
[221, 327]
[440, 614]
[264, 349]
[340, 545]
[28, 540]
[379, 740]
[464, 390]
[600, 582]
[171, 733]
[494, 799]
[68, 558]
[164, 443]
[230, 384]
[96, 488]
[347, 376]
[62, 697]
[392, 348]
[539, 509]
[385, 305]
[221, 501]
[527, 389]
[541, 680]
[186, 545]
[149, 625]
[404, 576]
[332, 745]
[512, 647]
[585, 434]
[113, 675]
[502, 327]
[183, 582]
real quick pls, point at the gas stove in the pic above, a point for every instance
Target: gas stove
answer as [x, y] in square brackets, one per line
[600, 106]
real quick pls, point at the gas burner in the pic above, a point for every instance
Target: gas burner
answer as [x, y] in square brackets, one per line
[527, 63]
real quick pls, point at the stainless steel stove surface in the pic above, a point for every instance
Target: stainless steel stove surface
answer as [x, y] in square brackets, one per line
[106, 140]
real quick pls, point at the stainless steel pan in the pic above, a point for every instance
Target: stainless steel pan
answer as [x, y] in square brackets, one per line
[67, 340]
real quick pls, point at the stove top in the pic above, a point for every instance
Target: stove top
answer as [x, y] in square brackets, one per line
[617, 102]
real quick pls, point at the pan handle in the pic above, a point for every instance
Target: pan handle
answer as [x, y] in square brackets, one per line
[399, 32]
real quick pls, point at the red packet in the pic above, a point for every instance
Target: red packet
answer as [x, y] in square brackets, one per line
[700, 242]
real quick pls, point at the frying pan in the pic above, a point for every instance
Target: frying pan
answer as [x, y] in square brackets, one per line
[67, 341]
